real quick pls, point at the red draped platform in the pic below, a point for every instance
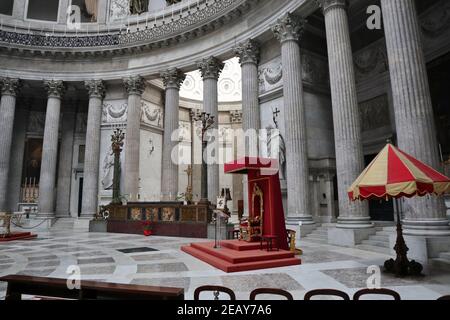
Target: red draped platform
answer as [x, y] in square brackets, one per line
[17, 236]
[265, 205]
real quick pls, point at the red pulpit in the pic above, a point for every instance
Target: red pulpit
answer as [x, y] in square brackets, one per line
[265, 216]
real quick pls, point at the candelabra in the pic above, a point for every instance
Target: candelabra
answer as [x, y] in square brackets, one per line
[117, 139]
[207, 122]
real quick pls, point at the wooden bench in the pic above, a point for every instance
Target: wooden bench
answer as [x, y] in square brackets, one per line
[89, 290]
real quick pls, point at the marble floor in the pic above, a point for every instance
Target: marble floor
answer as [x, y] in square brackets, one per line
[159, 261]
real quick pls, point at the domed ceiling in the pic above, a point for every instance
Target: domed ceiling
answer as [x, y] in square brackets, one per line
[229, 86]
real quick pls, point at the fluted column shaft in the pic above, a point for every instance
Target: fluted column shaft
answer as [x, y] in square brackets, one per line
[96, 90]
[135, 87]
[17, 155]
[173, 79]
[248, 53]
[211, 69]
[47, 179]
[288, 31]
[63, 186]
[9, 89]
[413, 109]
[347, 127]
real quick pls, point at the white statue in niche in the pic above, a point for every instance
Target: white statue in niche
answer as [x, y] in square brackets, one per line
[108, 170]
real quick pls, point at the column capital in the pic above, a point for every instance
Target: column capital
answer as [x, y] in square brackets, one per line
[173, 78]
[10, 86]
[289, 28]
[96, 88]
[134, 85]
[210, 68]
[326, 5]
[248, 52]
[54, 88]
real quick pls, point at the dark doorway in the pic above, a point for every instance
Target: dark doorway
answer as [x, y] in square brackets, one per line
[32, 160]
[439, 78]
[379, 210]
[80, 196]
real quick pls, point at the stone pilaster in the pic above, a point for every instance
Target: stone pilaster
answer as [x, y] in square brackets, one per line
[47, 181]
[347, 128]
[96, 89]
[64, 183]
[210, 69]
[17, 154]
[173, 79]
[288, 31]
[135, 87]
[9, 91]
[248, 53]
[416, 132]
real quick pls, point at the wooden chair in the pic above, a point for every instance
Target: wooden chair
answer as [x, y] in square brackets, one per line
[444, 298]
[216, 291]
[291, 234]
[326, 292]
[381, 291]
[274, 291]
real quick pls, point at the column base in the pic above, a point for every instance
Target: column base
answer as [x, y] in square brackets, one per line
[426, 228]
[354, 223]
[301, 225]
[348, 237]
[422, 248]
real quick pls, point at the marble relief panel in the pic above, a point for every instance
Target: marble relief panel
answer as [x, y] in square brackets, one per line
[150, 165]
[114, 111]
[152, 114]
[374, 113]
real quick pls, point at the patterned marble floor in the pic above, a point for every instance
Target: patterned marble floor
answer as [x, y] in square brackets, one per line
[158, 261]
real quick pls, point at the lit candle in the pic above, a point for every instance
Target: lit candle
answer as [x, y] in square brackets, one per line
[29, 27]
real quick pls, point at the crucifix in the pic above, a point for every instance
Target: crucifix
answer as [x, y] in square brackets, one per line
[275, 116]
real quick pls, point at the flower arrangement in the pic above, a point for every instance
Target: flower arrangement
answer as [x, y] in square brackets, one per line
[147, 224]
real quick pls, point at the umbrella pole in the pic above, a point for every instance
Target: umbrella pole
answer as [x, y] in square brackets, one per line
[401, 266]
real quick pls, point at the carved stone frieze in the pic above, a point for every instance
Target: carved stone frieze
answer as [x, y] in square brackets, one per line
[114, 113]
[152, 114]
[374, 113]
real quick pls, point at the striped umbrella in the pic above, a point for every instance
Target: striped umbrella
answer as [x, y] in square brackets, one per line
[395, 174]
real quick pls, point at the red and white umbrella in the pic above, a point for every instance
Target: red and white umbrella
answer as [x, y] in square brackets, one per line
[394, 174]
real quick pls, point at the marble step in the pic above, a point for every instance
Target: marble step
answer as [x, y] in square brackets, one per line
[376, 243]
[440, 263]
[316, 237]
[445, 255]
[385, 233]
[320, 232]
[371, 248]
[379, 237]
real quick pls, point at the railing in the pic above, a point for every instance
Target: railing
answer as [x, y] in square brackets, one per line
[147, 28]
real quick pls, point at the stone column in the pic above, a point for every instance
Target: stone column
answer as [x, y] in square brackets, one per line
[135, 87]
[173, 79]
[288, 31]
[47, 179]
[64, 183]
[238, 186]
[9, 91]
[19, 9]
[210, 69]
[248, 53]
[62, 13]
[17, 155]
[416, 132]
[354, 222]
[96, 89]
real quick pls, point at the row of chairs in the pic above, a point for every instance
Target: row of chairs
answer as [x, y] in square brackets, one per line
[308, 296]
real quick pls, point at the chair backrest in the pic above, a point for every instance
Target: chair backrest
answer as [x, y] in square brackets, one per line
[326, 292]
[444, 298]
[291, 234]
[216, 291]
[278, 292]
[381, 291]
